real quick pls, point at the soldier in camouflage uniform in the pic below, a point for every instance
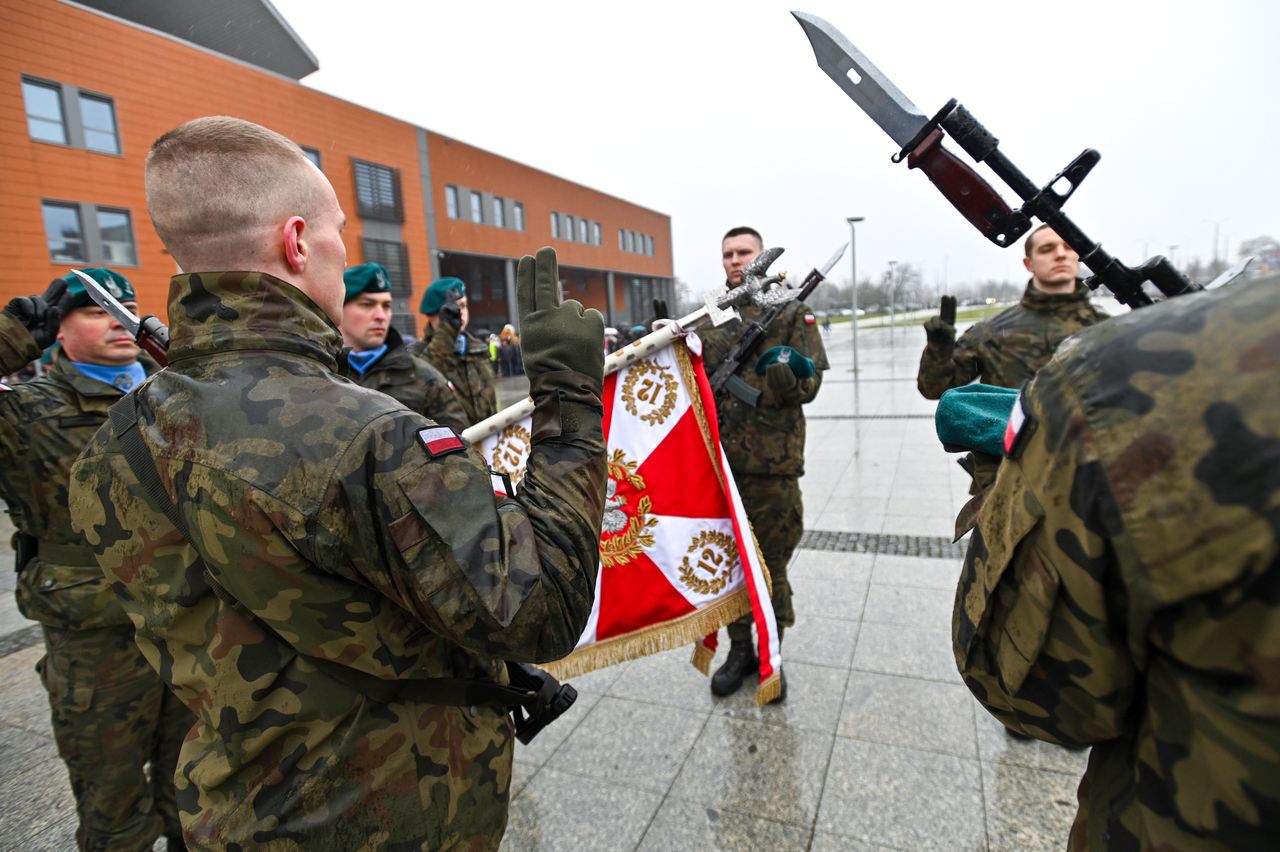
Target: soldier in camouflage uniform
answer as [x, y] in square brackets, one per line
[340, 554]
[1008, 348]
[765, 444]
[459, 354]
[377, 358]
[110, 713]
[1123, 586]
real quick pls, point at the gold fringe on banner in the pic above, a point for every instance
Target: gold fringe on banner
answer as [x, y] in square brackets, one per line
[658, 637]
[769, 690]
[702, 657]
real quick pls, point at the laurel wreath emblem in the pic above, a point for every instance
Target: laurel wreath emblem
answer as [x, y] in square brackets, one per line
[623, 538]
[717, 549]
[510, 450]
[647, 381]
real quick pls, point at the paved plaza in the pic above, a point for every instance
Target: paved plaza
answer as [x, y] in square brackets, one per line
[878, 745]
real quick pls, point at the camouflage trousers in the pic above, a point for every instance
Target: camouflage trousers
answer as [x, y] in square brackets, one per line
[111, 717]
[776, 511]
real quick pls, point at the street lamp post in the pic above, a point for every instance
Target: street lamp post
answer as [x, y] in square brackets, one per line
[853, 264]
[893, 286]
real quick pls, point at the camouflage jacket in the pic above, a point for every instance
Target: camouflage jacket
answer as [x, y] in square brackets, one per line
[333, 532]
[471, 374]
[1008, 348]
[416, 384]
[44, 424]
[1123, 586]
[768, 439]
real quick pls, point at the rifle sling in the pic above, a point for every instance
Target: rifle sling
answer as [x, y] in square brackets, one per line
[453, 692]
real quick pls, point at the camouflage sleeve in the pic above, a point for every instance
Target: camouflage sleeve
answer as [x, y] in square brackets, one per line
[439, 351]
[946, 367]
[17, 347]
[1030, 629]
[441, 400]
[508, 577]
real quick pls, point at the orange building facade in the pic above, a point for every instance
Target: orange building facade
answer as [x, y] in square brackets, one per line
[86, 87]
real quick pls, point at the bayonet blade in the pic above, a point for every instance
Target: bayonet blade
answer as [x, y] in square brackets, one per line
[108, 303]
[1230, 275]
[862, 81]
[835, 258]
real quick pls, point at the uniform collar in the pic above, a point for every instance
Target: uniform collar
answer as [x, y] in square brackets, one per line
[63, 369]
[1035, 299]
[215, 312]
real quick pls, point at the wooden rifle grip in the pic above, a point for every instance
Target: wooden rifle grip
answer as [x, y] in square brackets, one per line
[962, 186]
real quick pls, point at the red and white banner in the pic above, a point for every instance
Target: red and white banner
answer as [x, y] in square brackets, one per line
[677, 556]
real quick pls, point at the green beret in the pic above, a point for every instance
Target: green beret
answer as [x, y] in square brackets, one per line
[113, 282]
[365, 278]
[974, 417]
[437, 294]
[802, 366]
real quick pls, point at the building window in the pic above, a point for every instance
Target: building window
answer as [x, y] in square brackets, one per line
[63, 233]
[517, 216]
[648, 246]
[378, 192]
[582, 230]
[44, 111]
[98, 116]
[555, 225]
[631, 242]
[313, 155]
[499, 215]
[394, 257]
[115, 232]
[477, 208]
[595, 233]
[622, 240]
[451, 201]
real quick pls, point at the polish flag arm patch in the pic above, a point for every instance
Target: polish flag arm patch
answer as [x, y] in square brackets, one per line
[810, 319]
[1019, 428]
[5, 388]
[440, 441]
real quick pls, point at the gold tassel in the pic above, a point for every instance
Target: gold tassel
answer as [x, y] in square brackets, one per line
[769, 690]
[702, 657]
[650, 640]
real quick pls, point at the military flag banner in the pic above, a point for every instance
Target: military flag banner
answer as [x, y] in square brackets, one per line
[678, 559]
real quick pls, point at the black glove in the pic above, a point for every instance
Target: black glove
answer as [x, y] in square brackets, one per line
[451, 317]
[555, 336]
[41, 315]
[660, 309]
[941, 330]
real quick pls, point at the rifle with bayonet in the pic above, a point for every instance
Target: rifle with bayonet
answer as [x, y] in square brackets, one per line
[149, 332]
[726, 375]
[920, 141]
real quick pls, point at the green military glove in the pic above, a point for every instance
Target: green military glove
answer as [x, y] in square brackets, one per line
[555, 336]
[941, 330]
[41, 315]
[803, 367]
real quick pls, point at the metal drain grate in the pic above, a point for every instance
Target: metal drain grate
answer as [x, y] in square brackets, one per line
[19, 640]
[868, 417]
[937, 547]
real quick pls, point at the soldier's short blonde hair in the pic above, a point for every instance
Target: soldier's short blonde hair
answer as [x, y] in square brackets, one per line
[216, 185]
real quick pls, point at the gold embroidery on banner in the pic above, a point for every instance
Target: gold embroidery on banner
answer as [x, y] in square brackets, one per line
[716, 554]
[623, 536]
[511, 451]
[654, 385]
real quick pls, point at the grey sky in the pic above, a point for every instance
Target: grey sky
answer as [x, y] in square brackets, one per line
[717, 114]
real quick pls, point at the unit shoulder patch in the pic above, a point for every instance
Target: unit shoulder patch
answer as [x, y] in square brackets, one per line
[440, 441]
[1019, 429]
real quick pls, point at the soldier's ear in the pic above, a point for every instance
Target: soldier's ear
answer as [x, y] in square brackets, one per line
[293, 245]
